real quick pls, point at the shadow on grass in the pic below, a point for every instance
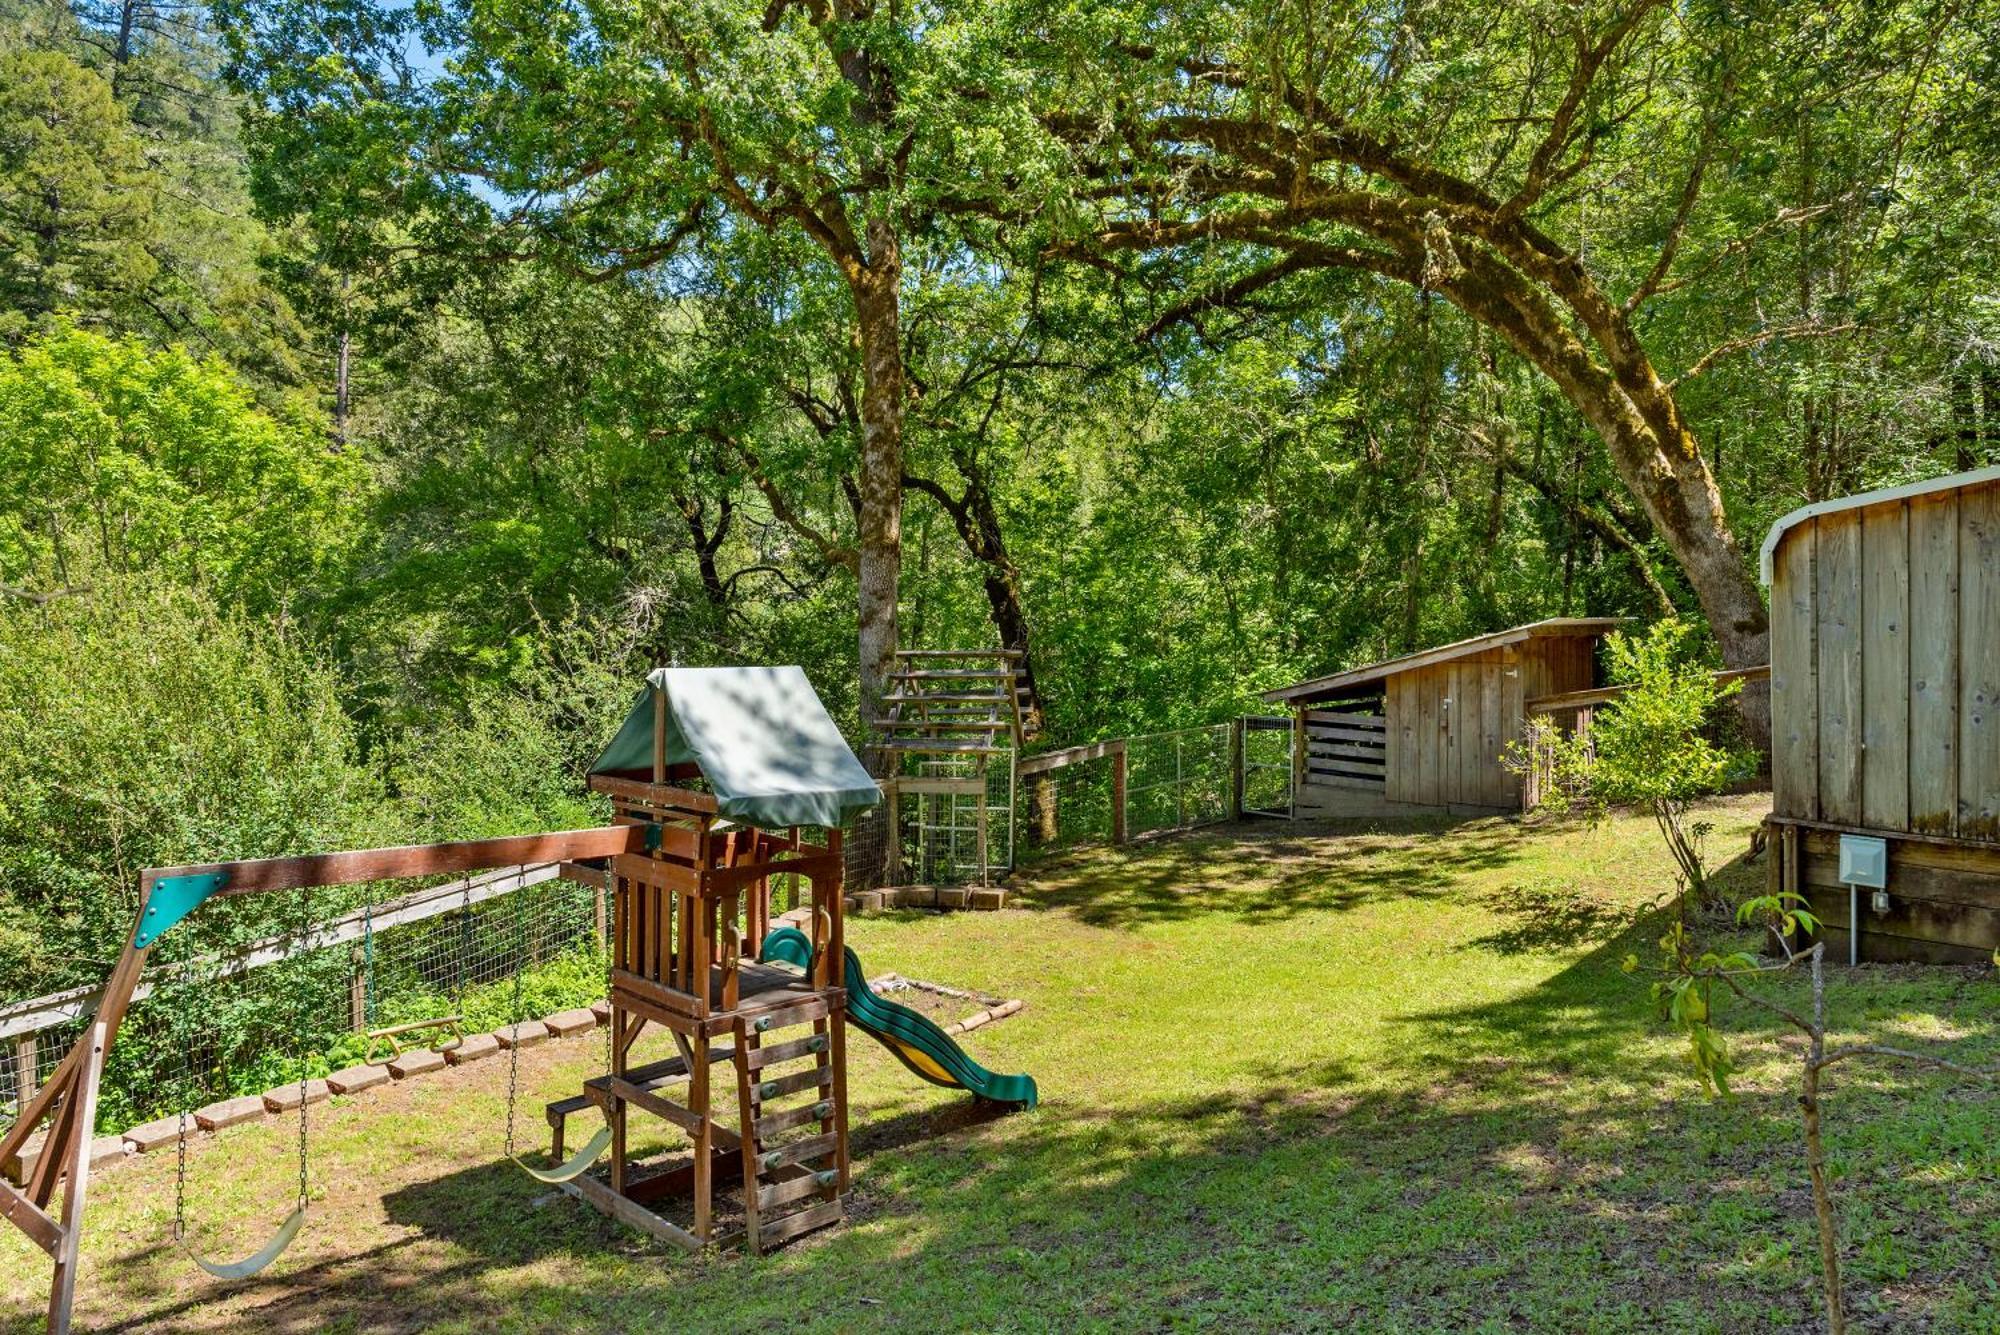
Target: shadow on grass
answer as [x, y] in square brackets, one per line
[1537, 1162]
[1260, 872]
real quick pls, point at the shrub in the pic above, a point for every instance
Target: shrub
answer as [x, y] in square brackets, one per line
[144, 726]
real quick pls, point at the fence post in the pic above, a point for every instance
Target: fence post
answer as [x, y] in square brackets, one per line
[1236, 763]
[1118, 773]
[27, 1069]
[1180, 783]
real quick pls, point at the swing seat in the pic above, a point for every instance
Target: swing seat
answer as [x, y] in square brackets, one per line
[257, 1260]
[575, 1166]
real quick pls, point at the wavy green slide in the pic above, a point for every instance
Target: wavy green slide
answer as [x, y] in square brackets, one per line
[919, 1044]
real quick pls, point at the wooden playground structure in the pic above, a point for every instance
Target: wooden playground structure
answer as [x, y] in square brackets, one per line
[952, 714]
[716, 780]
[692, 904]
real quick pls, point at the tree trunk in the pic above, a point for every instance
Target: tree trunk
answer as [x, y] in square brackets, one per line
[875, 288]
[1650, 446]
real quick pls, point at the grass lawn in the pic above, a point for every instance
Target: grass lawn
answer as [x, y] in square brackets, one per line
[1292, 1078]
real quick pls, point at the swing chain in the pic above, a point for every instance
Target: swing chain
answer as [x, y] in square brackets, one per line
[301, 1031]
[186, 1046]
[514, 1011]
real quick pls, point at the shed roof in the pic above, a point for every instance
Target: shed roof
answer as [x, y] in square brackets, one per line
[770, 752]
[1907, 491]
[1340, 682]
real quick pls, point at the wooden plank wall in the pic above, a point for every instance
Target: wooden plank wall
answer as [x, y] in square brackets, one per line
[1450, 723]
[1885, 667]
[1944, 901]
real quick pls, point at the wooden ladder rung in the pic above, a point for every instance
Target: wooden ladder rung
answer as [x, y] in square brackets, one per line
[804, 1221]
[953, 674]
[791, 1189]
[776, 1123]
[808, 1046]
[812, 1147]
[981, 724]
[941, 746]
[816, 1077]
[958, 653]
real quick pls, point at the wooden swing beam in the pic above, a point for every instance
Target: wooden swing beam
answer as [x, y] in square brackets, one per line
[67, 1103]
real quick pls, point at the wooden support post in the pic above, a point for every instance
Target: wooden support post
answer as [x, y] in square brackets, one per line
[27, 1069]
[62, 1293]
[746, 1140]
[1118, 788]
[892, 853]
[615, 1109]
[837, 1035]
[1236, 754]
[704, 1137]
[1298, 751]
[981, 800]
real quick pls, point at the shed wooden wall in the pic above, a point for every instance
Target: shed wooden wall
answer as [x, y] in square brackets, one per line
[1885, 667]
[1450, 723]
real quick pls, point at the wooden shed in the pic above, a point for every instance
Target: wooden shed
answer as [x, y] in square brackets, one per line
[1885, 713]
[1426, 731]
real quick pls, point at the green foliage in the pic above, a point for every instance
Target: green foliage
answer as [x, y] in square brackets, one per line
[117, 459]
[1651, 741]
[144, 726]
[1652, 745]
[76, 203]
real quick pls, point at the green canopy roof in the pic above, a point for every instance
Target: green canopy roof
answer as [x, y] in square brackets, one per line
[764, 742]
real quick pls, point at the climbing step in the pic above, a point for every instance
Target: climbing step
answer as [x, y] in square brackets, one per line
[958, 653]
[944, 746]
[954, 674]
[984, 723]
[791, 1187]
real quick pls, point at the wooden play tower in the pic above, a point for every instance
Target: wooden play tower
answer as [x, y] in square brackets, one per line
[951, 714]
[758, 1080]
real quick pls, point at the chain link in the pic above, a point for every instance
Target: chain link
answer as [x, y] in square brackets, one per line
[514, 1011]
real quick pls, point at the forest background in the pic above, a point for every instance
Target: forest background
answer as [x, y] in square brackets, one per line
[385, 388]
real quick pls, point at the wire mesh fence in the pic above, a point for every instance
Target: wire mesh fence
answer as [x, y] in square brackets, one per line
[1125, 789]
[1177, 780]
[1061, 807]
[210, 1023]
[956, 821]
[1267, 766]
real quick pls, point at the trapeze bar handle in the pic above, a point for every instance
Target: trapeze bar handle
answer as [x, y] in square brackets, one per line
[171, 899]
[258, 1260]
[576, 1165]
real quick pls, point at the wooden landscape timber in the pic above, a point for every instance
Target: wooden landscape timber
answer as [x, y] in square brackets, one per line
[1885, 702]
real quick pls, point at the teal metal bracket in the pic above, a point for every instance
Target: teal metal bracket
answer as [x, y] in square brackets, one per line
[173, 898]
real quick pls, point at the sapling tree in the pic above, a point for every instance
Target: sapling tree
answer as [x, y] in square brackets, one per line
[1692, 979]
[1649, 747]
